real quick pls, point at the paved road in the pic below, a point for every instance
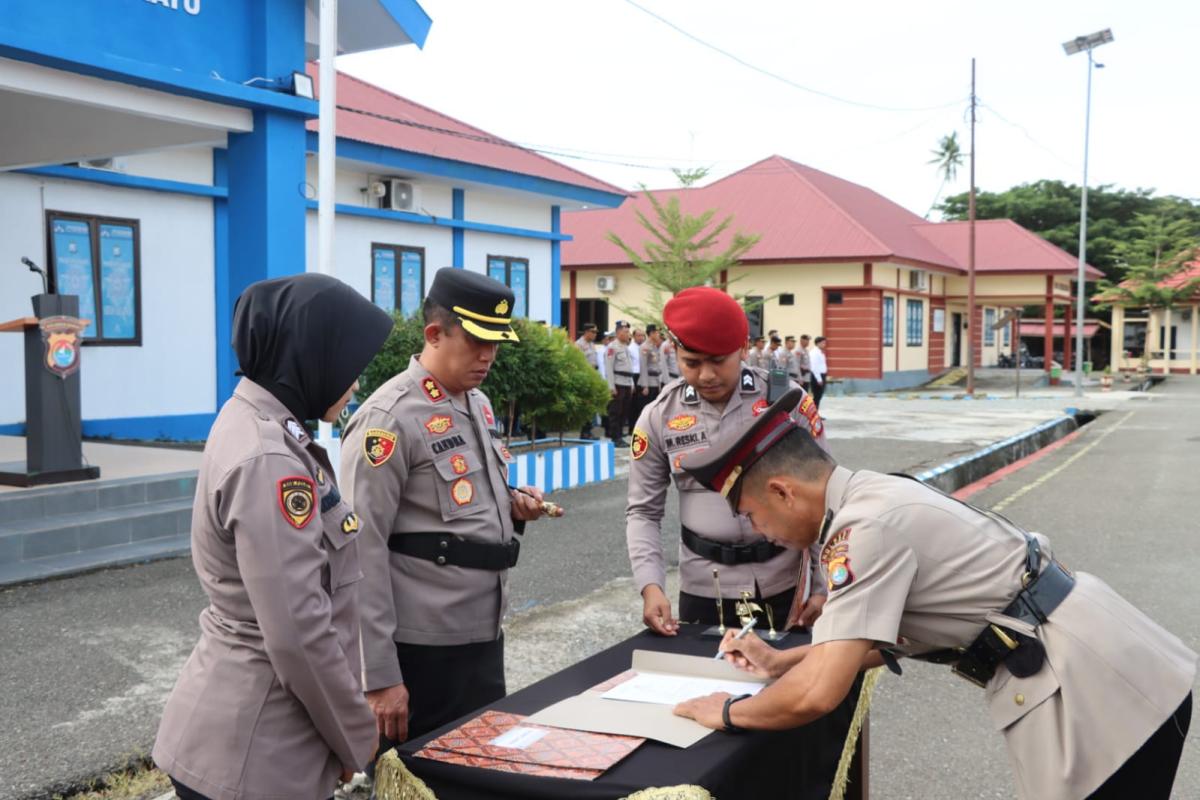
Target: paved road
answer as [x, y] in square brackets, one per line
[88, 660]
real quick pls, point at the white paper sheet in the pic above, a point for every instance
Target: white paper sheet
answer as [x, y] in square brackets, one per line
[651, 687]
[518, 738]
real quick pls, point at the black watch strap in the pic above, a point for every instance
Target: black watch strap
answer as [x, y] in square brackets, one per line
[729, 726]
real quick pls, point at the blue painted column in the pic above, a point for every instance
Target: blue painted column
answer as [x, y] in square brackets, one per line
[264, 220]
[556, 267]
[458, 211]
[226, 363]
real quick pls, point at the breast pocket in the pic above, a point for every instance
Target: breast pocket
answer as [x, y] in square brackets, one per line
[1010, 698]
[459, 481]
[340, 527]
[504, 457]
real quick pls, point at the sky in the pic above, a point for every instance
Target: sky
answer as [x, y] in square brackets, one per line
[632, 96]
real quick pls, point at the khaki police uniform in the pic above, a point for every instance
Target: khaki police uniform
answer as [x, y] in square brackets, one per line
[918, 571]
[754, 358]
[670, 361]
[269, 704]
[803, 366]
[680, 422]
[650, 368]
[589, 352]
[618, 371]
[786, 360]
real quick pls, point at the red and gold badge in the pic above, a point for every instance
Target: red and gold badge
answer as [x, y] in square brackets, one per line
[809, 409]
[296, 495]
[835, 559]
[439, 424]
[378, 446]
[760, 405]
[640, 444]
[462, 491]
[487, 415]
[432, 390]
[681, 422]
[458, 464]
[508, 456]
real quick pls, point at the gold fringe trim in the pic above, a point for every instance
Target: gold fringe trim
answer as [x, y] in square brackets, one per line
[393, 781]
[841, 780]
[671, 793]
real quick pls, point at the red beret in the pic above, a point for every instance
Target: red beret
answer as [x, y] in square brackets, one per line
[706, 320]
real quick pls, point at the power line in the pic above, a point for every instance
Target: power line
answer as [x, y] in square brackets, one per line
[777, 76]
[1027, 135]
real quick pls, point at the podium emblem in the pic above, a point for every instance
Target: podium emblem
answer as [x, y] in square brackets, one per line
[61, 335]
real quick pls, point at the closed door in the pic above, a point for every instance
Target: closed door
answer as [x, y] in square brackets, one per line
[956, 324]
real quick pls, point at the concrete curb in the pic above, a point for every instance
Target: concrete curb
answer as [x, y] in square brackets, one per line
[954, 475]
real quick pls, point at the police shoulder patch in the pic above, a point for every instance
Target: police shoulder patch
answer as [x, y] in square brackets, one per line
[835, 560]
[760, 405]
[378, 446]
[297, 495]
[808, 409]
[639, 445]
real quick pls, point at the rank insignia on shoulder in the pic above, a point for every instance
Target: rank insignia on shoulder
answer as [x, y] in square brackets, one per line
[747, 379]
[488, 417]
[350, 523]
[760, 405]
[295, 429]
[639, 445]
[296, 499]
[432, 390]
[439, 424]
[681, 422]
[320, 477]
[458, 464]
[504, 451]
[462, 491]
[378, 446]
[690, 396]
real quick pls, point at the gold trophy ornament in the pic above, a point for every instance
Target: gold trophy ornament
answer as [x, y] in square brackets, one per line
[717, 631]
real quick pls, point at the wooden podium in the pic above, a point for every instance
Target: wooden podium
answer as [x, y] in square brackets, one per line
[53, 429]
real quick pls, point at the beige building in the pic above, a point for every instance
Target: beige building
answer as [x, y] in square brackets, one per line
[1165, 339]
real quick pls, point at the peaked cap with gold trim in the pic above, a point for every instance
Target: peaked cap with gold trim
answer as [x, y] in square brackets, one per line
[722, 468]
[483, 304]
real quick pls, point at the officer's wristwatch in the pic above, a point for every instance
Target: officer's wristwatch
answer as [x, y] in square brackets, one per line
[729, 726]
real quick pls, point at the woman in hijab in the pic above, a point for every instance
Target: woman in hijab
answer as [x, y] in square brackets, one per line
[269, 704]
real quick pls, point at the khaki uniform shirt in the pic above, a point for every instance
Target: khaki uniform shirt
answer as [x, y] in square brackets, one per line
[803, 363]
[650, 373]
[754, 358]
[910, 567]
[670, 360]
[416, 460]
[588, 350]
[786, 360]
[676, 423]
[269, 703]
[618, 366]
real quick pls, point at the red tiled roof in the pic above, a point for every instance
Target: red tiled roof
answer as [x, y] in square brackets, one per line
[1187, 273]
[1035, 328]
[800, 213]
[1003, 246]
[464, 144]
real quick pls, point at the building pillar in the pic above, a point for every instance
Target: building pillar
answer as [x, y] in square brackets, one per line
[573, 307]
[1117, 348]
[555, 267]
[1195, 331]
[1048, 335]
[1067, 341]
[458, 237]
[1166, 340]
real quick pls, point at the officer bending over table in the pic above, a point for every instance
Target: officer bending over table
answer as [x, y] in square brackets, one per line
[1093, 698]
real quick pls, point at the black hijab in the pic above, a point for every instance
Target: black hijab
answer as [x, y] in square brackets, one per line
[306, 339]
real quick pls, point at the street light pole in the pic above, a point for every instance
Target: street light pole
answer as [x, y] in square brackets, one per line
[1077, 45]
[971, 253]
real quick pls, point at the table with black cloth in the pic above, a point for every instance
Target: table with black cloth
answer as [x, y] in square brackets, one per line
[795, 764]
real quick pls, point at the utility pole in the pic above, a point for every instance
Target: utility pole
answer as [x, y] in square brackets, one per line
[971, 251]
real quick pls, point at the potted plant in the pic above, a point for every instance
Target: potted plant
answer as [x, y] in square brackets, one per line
[1106, 380]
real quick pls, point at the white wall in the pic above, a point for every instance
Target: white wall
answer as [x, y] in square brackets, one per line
[186, 164]
[478, 246]
[172, 372]
[514, 209]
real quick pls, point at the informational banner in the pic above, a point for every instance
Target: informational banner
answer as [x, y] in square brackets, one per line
[384, 292]
[117, 282]
[73, 273]
[412, 279]
[939, 320]
[498, 270]
[519, 283]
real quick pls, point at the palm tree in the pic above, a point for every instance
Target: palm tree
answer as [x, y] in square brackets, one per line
[948, 157]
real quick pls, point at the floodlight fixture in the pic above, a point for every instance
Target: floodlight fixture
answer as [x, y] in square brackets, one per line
[1089, 42]
[302, 85]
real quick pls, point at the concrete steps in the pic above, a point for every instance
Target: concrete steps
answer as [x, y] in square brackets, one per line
[75, 527]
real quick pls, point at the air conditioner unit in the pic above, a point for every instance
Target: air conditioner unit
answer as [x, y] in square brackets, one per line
[918, 281]
[399, 195]
[114, 164]
[606, 283]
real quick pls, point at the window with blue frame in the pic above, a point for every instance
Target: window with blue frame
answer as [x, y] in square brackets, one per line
[889, 321]
[915, 319]
[397, 278]
[98, 259]
[989, 319]
[513, 273]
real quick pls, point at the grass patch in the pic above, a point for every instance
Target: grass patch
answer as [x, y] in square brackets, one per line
[137, 782]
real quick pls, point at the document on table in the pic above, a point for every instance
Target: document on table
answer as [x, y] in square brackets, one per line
[653, 687]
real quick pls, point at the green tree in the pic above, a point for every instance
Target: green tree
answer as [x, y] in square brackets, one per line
[948, 158]
[683, 251]
[689, 177]
[1155, 238]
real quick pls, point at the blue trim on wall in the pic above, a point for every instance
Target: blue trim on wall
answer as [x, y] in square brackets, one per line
[458, 240]
[176, 427]
[125, 181]
[411, 18]
[405, 161]
[222, 277]
[555, 268]
[441, 222]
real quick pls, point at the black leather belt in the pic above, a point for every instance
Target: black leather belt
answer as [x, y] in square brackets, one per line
[729, 554]
[673, 374]
[652, 373]
[447, 548]
[625, 374]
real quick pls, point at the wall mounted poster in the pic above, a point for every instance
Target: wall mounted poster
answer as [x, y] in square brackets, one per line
[73, 266]
[385, 279]
[520, 286]
[117, 282]
[411, 280]
[939, 320]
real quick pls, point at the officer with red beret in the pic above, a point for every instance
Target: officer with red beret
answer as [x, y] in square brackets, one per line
[716, 394]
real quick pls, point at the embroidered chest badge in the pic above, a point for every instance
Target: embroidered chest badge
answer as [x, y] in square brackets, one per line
[378, 446]
[432, 390]
[488, 417]
[639, 445]
[681, 422]
[462, 491]
[760, 405]
[296, 500]
[439, 424]
[458, 464]
[835, 559]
